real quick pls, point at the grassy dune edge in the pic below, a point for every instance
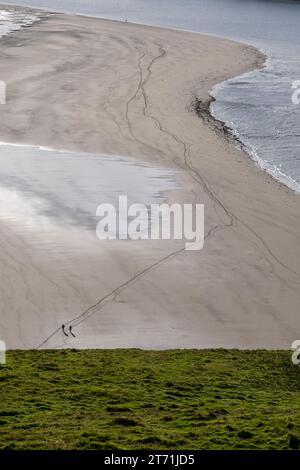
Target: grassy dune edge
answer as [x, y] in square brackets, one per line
[134, 399]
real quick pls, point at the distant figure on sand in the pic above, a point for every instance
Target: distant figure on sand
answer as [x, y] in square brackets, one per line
[71, 332]
[63, 330]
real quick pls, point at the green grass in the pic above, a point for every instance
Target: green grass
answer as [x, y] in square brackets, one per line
[132, 399]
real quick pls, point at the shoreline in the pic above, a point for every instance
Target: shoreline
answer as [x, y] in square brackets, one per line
[103, 86]
[204, 112]
[271, 170]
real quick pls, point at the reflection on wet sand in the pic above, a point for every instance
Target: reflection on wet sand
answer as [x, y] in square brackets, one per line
[40, 187]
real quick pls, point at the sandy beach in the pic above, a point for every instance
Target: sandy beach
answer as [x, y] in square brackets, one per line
[104, 87]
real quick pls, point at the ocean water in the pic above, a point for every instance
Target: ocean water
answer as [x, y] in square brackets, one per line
[257, 106]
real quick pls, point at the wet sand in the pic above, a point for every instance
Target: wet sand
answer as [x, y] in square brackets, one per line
[103, 87]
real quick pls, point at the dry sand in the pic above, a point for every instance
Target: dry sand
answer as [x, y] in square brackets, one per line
[84, 84]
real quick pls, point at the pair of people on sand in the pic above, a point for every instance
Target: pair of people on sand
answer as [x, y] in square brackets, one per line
[70, 331]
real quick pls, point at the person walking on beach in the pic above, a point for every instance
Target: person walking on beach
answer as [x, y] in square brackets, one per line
[71, 331]
[63, 330]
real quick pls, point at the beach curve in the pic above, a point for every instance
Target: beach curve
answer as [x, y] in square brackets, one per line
[249, 270]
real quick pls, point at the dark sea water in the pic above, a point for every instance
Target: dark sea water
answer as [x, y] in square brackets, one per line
[258, 105]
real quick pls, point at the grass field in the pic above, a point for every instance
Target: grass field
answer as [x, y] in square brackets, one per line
[132, 399]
